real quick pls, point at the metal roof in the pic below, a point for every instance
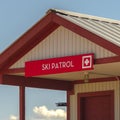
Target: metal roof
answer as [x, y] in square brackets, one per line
[106, 28]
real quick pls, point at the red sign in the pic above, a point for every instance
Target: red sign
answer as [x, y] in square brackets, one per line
[59, 65]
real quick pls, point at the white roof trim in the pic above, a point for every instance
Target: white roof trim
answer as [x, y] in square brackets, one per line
[86, 16]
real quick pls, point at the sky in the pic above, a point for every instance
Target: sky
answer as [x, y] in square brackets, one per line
[16, 17]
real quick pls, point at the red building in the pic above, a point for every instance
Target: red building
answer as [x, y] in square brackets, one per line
[60, 36]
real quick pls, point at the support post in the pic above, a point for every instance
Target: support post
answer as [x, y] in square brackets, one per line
[22, 102]
[69, 93]
[68, 105]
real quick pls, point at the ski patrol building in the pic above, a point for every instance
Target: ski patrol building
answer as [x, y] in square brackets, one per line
[73, 52]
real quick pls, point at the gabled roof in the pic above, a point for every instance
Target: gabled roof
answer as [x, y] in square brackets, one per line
[102, 32]
[106, 28]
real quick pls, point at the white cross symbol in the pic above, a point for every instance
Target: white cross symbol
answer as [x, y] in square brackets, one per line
[87, 62]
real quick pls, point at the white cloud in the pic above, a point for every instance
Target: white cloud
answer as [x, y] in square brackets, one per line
[13, 117]
[42, 113]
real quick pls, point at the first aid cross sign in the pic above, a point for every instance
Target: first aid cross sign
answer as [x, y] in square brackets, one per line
[59, 65]
[87, 61]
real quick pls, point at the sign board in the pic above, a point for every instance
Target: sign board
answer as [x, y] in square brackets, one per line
[59, 65]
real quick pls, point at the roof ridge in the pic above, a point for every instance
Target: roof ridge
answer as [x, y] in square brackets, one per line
[76, 14]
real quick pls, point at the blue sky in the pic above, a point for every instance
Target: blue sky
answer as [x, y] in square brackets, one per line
[16, 17]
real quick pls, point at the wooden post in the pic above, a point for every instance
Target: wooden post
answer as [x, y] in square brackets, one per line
[22, 102]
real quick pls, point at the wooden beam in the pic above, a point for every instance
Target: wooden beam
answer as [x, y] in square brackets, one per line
[107, 60]
[96, 61]
[31, 38]
[37, 82]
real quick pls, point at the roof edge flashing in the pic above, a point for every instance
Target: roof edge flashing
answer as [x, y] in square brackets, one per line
[85, 16]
